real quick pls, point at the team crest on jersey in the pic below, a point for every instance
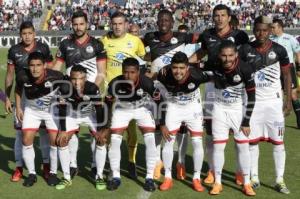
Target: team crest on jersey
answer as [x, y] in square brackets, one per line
[39, 102]
[129, 44]
[140, 92]
[174, 40]
[86, 98]
[48, 84]
[236, 78]
[272, 55]
[191, 86]
[226, 94]
[261, 76]
[166, 60]
[231, 39]
[89, 49]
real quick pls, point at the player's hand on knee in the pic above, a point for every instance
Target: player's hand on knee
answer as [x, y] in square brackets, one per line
[245, 130]
[62, 139]
[8, 106]
[165, 133]
[19, 114]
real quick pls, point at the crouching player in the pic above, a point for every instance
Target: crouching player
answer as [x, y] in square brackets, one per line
[232, 78]
[40, 89]
[183, 105]
[80, 103]
[132, 92]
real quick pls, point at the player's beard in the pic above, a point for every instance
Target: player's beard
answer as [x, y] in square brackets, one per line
[80, 33]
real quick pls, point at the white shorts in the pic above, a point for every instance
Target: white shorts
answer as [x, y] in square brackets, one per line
[122, 116]
[33, 118]
[267, 122]
[209, 99]
[73, 123]
[191, 114]
[224, 119]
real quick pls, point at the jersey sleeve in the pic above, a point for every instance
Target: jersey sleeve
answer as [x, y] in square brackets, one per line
[20, 80]
[295, 45]
[242, 38]
[10, 58]
[146, 39]
[48, 55]
[140, 48]
[201, 39]
[61, 52]
[100, 51]
[283, 57]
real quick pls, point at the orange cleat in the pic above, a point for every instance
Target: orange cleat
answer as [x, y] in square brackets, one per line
[17, 175]
[157, 170]
[248, 190]
[180, 168]
[217, 189]
[239, 179]
[166, 185]
[46, 170]
[197, 185]
[210, 179]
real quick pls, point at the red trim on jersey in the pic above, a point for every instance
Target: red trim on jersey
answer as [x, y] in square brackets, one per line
[250, 89]
[237, 61]
[241, 141]
[174, 132]
[118, 130]
[101, 59]
[31, 49]
[30, 129]
[52, 130]
[256, 140]
[147, 128]
[60, 59]
[273, 141]
[286, 66]
[84, 42]
[73, 131]
[225, 34]
[220, 141]
[195, 133]
[265, 48]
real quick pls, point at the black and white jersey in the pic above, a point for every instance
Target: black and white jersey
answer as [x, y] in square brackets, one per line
[39, 95]
[267, 65]
[211, 41]
[163, 51]
[18, 55]
[86, 54]
[185, 91]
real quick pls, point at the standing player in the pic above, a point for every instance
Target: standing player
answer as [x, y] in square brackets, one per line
[163, 44]
[132, 92]
[79, 100]
[182, 83]
[120, 45]
[292, 47]
[232, 78]
[18, 60]
[81, 48]
[269, 61]
[210, 41]
[40, 88]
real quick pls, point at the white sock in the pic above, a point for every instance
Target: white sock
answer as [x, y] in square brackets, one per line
[254, 156]
[64, 157]
[167, 155]
[18, 149]
[28, 157]
[237, 161]
[44, 145]
[198, 155]
[243, 153]
[73, 148]
[149, 140]
[100, 157]
[218, 160]
[114, 154]
[182, 141]
[93, 149]
[279, 156]
[158, 139]
[209, 146]
[53, 159]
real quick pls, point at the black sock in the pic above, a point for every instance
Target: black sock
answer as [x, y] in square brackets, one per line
[296, 106]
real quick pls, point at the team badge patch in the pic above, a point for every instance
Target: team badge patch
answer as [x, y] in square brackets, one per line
[48, 84]
[236, 78]
[174, 40]
[272, 55]
[140, 92]
[89, 49]
[191, 85]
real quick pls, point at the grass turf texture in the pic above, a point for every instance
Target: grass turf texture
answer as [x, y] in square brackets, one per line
[83, 185]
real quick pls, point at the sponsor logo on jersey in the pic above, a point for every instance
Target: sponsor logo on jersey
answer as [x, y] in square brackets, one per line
[86, 98]
[250, 55]
[120, 56]
[89, 49]
[48, 84]
[191, 85]
[211, 40]
[70, 48]
[166, 59]
[27, 85]
[237, 78]
[19, 55]
[156, 40]
[226, 94]
[174, 40]
[272, 55]
[261, 76]
[39, 102]
[140, 92]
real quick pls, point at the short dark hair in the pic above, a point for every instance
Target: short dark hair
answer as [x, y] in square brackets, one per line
[222, 7]
[78, 68]
[180, 58]
[279, 22]
[79, 14]
[262, 19]
[234, 22]
[118, 14]
[36, 56]
[183, 27]
[165, 12]
[25, 25]
[130, 61]
[227, 44]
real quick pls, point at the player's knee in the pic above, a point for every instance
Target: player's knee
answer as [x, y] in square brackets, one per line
[27, 140]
